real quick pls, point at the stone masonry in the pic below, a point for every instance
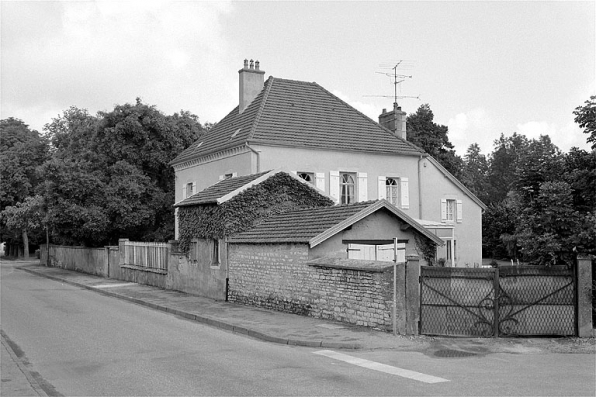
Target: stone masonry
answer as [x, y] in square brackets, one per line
[276, 276]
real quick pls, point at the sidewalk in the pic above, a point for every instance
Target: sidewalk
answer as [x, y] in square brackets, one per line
[291, 329]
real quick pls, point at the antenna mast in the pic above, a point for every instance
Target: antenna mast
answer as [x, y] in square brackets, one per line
[395, 80]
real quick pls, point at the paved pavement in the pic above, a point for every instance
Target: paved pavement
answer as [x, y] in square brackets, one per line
[293, 329]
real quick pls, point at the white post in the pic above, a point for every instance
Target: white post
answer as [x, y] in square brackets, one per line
[395, 286]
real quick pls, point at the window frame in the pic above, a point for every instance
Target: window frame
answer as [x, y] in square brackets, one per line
[348, 197]
[310, 175]
[397, 186]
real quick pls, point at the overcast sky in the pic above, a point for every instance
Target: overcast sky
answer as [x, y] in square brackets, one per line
[485, 68]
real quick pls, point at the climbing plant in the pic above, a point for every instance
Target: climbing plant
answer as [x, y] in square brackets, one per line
[277, 194]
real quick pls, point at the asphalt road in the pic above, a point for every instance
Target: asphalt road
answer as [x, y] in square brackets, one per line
[81, 343]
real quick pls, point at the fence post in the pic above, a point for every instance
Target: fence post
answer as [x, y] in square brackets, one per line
[122, 250]
[497, 290]
[412, 294]
[584, 296]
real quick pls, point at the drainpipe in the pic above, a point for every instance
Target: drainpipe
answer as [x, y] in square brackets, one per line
[227, 266]
[420, 188]
[258, 158]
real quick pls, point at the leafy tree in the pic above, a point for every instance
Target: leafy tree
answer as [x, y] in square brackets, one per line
[475, 172]
[498, 221]
[25, 216]
[551, 229]
[110, 175]
[22, 150]
[502, 164]
[585, 116]
[423, 132]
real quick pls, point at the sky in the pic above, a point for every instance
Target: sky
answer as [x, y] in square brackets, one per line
[484, 68]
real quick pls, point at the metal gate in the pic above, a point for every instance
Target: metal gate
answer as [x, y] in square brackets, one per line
[509, 301]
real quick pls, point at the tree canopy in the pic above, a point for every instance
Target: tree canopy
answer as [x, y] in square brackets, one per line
[585, 116]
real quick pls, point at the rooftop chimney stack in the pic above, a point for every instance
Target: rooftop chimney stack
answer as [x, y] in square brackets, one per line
[394, 121]
[252, 80]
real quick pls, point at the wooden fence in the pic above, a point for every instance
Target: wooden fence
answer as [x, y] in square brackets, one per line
[148, 255]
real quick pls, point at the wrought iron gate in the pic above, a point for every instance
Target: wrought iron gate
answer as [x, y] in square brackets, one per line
[509, 301]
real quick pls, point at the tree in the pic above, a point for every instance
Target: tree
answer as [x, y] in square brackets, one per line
[585, 116]
[22, 150]
[502, 163]
[110, 175]
[475, 172]
[25, 216]
[423, 132]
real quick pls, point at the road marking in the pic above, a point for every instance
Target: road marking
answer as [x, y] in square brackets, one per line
[388, 369]
[113, 285]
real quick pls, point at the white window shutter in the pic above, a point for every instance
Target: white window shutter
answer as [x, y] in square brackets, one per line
[460, 211]
[382, 191]
[194, 188]
[443, 210]
[320, 180]
[362, 186]
[234, 174]
[334, 185]
[183, 191]
[405, 193]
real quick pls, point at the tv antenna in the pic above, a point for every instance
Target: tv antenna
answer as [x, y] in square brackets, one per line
[396, 79]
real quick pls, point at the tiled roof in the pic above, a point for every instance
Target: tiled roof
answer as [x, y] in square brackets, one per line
[298, 226]
[315, 225]
[298, 114]
[220, 189]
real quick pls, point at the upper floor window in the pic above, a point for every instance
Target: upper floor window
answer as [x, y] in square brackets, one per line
[189, 189]
[307, 176]
[451, 210]
[347, 188]
[392, 190]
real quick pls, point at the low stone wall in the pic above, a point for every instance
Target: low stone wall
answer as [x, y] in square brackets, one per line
[277, 276]
[81, 259]
[145, 276]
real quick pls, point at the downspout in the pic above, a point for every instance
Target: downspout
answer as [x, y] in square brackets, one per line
[227, 266]
[420, 188]
[258, 158]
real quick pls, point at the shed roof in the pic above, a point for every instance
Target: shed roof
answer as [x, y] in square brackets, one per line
[298, 114]
[315, 225]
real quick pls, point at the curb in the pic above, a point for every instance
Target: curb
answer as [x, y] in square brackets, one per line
[205, 320]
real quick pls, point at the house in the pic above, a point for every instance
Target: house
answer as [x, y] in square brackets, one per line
[306, 129]
[274, 240]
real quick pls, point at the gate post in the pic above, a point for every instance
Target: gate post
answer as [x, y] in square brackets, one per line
[412, 295]
[584, 296]
[497, 289]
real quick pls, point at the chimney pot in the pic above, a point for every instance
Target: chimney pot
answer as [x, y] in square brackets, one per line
[257, 65]
[251, 84]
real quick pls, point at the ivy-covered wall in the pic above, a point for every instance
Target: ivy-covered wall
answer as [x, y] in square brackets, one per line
[279, 193]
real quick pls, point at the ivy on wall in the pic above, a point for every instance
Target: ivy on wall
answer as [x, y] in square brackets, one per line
[277, 194]
[425, 247]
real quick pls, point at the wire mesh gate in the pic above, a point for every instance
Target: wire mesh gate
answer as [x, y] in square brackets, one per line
[509, 301]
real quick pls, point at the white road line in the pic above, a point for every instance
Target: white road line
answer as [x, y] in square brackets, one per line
[113, 285]
[388, 369]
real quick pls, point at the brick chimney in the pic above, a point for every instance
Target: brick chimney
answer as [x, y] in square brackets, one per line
[394, 120]
[251, 83]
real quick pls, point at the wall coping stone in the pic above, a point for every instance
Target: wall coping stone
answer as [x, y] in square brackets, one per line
[144, 269]
[351, 264]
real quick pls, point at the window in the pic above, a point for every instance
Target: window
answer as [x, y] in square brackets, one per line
[451, 210]
[228, 176]
[189, 189]
[392, 191]
[307, 176]
[347, 188]
[215, 253]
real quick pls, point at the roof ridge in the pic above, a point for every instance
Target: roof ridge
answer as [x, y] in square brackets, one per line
[368, 119]
[253, 128]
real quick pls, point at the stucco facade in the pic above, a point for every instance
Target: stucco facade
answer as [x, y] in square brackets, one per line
[300, 127]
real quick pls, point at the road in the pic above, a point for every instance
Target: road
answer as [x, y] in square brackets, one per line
[82, 343]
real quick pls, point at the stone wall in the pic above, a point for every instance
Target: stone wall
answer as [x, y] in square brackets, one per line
[277, 276]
